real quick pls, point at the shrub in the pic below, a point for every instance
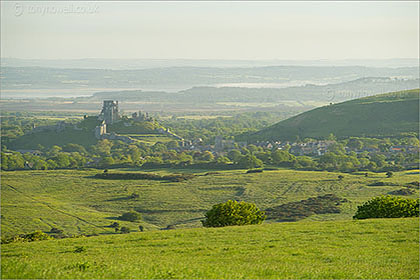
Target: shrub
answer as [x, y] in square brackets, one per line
[388, 207]
[134, 196]
[254, 171]
[233, 213]
[130, 216]
[79, 249]
[56, 230]
[115, 225]
[389, 174]
[125, 230]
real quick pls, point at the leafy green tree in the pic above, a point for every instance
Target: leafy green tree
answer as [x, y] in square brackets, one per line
[234, 155]
[389, 174]
[62, 160]
[207, 156]
[172, 145]
[250, 161]
[130, 216]
[233, 213]
[388, 207]
[282, 157]
[222, 160]
[124, 230]
[106, 162]
[355, 144]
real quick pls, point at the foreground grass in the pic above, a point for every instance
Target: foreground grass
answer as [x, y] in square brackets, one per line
[79, 204]
[368, 249]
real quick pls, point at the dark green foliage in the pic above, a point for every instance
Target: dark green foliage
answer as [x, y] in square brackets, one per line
[130, 216]
[388, 207]
[144, 176]
[254, 171]
[80, 249]
[56, 230]
[340, 177]
[30, 237]
[380, 183]
[233, 213]
[404, 191]
[389, 174]
[134, 195]
[295, 211]
[115, 225]
[141, 228]
[125, 230]
[250, 161]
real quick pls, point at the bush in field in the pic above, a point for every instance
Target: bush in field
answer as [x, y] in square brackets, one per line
[130, 216]
[233, 213]
[30, 237]
[388, 207]
[125, 230]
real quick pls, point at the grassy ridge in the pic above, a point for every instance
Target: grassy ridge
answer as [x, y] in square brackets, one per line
[78, 203]
[368, 249]
[381, 115]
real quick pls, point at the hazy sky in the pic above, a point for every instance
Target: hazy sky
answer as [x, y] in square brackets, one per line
[210, 30]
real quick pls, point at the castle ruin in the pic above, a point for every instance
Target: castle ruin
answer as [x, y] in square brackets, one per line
[110, 112]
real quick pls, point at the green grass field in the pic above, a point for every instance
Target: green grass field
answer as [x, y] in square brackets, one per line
[79, 204]
[367, 249]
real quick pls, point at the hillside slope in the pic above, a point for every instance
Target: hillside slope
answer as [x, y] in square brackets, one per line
[368, 249]
[381, 115]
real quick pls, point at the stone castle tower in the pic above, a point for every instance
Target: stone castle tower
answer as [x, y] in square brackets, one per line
[110, 112]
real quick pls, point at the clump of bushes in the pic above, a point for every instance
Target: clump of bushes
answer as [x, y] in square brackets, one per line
[125, 230]
[254, 171]
[404, 191]
[144, 176]
[233, 213]
[380, 184]
[30, 237]
[388, 207]
[130, 216]
[294, 211]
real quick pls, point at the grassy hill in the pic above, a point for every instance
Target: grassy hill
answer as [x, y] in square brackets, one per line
[77, 203]
[85, 135]
[368, 249]
[387, 114]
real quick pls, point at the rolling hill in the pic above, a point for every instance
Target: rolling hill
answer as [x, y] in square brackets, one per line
[383, 115]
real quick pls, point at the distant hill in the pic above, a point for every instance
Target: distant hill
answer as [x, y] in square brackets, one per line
[387, 114]
[322, 93]
[82, 135]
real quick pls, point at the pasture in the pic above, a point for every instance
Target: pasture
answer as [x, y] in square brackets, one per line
[74, 201]
[366, 249]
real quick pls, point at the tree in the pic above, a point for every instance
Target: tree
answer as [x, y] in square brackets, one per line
[282, 157]
[62, 160]
[130, 216]
[233, 213]
[106, 161]
[388, 207]
[389, 174]
[234, 155]
[207, 156]
[125, 230]
[250, 161]
[340, 177]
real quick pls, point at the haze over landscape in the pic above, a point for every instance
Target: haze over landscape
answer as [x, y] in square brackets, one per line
[209, 140]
